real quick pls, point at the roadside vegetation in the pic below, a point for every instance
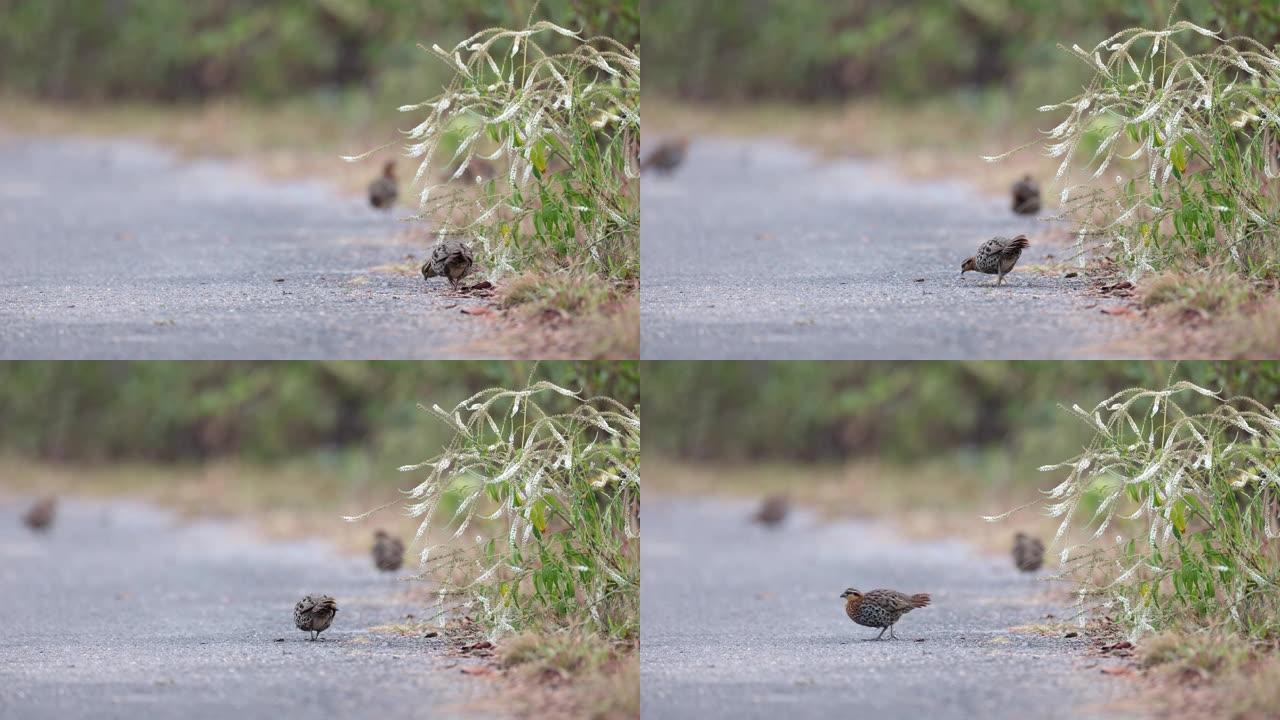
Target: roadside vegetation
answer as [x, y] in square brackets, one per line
[1167, 161]
[1167, 505]
[545, 142]
[538, 492]
[547, 504]
[1167, 523]
[294, 86]
[1177, 99]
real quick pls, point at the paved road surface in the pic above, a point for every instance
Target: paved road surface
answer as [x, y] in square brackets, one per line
[758, 250]
[741, 622]
[120, 250]
[124, 612]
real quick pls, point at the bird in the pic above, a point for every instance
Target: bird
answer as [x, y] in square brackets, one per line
[773, 510]
[667, 156]
[40, 516]
[1028, 552]
[388, 552]
[996, 256]
[383, 191]
[450, 259]
[314, 614]
[1026, 196]
[881, 608]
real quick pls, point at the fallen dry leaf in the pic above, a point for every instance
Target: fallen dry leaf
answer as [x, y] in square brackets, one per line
[477, 670]
[476, 310]
[1117, 310]
[1117, 670]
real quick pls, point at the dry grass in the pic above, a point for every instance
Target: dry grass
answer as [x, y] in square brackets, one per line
[1210, 315]
[290, 502]
[570, 674]
[570, 315]
[267, 136]
[932, 501]
[1196, 674]
[908, 137]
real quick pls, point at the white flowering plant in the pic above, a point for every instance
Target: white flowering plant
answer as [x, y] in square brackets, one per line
[542, 509]
[1187, 121]
[1174, 512]
[551, 139]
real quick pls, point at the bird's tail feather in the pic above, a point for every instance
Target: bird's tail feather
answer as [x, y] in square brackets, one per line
[1021, 243]
[919, 600]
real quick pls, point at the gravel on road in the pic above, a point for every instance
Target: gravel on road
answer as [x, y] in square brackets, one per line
[125, 611]
[758, 250]
[119, 250]
[740, 621]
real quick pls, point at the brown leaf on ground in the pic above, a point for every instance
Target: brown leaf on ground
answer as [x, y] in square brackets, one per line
[477, 310]
[1117, 670]
[477, 670]
[1117, 310]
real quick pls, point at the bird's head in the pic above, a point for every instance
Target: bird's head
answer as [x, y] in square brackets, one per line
[428, 271]
[851, 593]
[969, 264]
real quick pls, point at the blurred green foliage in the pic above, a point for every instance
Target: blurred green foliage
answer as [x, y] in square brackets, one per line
[262, 411]
[189, 49]
[832, 49]
[826, 411]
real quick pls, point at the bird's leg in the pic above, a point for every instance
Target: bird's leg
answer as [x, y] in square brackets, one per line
[881, 633]
[891, 635]
[1000, 280]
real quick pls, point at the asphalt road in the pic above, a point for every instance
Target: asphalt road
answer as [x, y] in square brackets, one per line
[757, 250]
[738, 621]
[119, 250]
[124, 612]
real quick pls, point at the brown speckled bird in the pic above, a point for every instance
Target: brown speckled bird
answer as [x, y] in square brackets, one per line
[881, 608]
[383, 191]
[449, 259]
[314, 614]
[996, 256]
[388, 552]
[773, 510]
[1028, 552]
[1026, 196]
[667, 156]
[41, 514]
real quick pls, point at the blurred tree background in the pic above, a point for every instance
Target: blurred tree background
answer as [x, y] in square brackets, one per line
[902, 412]
[829, 50]
[263, 412]
[161, 50]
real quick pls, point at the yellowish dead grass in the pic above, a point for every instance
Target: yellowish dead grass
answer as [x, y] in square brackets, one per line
[1195, 674]
[287, 502]
[1211, 315]
[907, 137]
[934, 501]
